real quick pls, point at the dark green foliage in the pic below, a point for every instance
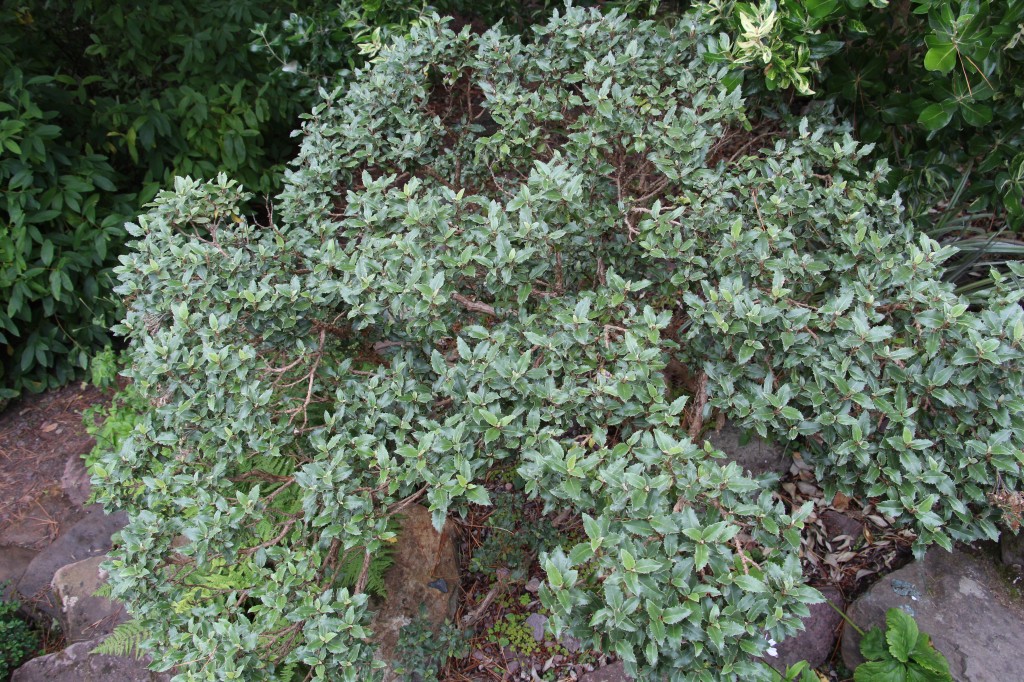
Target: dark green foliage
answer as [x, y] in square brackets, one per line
[60, 230]
[102, 103]
[938, 84]
[421, 650]
[18, 640]
[513, 541]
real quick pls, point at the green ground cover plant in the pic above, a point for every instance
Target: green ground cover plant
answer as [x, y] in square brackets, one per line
[18, 640]
[490, 248]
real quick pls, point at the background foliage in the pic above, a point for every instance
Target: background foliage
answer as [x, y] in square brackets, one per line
[105, 102]
[937, 84]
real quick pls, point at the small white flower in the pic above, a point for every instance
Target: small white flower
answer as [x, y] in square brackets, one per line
[771, 650]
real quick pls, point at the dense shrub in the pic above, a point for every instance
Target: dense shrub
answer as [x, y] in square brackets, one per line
[490, 250]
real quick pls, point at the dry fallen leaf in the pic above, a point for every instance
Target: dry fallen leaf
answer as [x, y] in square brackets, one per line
[47, 428]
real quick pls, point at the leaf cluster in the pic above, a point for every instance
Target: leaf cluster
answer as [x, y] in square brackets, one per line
[18, 640]
[98, 111]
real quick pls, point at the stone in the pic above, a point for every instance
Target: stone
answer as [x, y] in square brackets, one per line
[13, 562]
[77, 663]
[818, 638]
[571, 644]
[83, 615]
[425, 572]
[76, 482]
[752, 454]
[537, 622]
[838, 523]
[42, 521]
[614, 672]
[89, 537]
[962, 602]
[1011, 549]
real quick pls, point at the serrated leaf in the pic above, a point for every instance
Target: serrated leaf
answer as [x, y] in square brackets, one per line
[872, 645]
[701, 555]
[749, 583]
[928, 657]
[900, 633]
[881, 671]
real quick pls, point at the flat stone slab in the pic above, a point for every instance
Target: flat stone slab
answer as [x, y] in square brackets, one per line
[614, 672]
[42, 521]
[962, 602]
[89, 537]
[749, 451]
[85, 616]
[78, 664]
[13, 562]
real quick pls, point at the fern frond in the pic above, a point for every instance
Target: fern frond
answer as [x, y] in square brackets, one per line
[124, 641]
[352, 566]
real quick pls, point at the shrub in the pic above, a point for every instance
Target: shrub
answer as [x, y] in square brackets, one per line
[488, 253]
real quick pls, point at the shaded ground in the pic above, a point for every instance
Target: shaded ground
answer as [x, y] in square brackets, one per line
[38, 435]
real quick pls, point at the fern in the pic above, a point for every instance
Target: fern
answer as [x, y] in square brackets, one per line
[352, 566]
[125, 640]
[289, 672]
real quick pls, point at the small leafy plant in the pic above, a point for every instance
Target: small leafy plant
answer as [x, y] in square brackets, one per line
[420, 650]
[800, 671]
[511, 631]
[18, 640]
[900, 652]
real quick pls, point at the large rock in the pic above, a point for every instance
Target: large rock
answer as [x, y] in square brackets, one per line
[962, 602]
[816, 641]
[749, 451]
[1011, 550]
[425, 572]
[89, 537]
[13, 562]
[609, 673]
[85, 616]
[76, 482]
[78, 664]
